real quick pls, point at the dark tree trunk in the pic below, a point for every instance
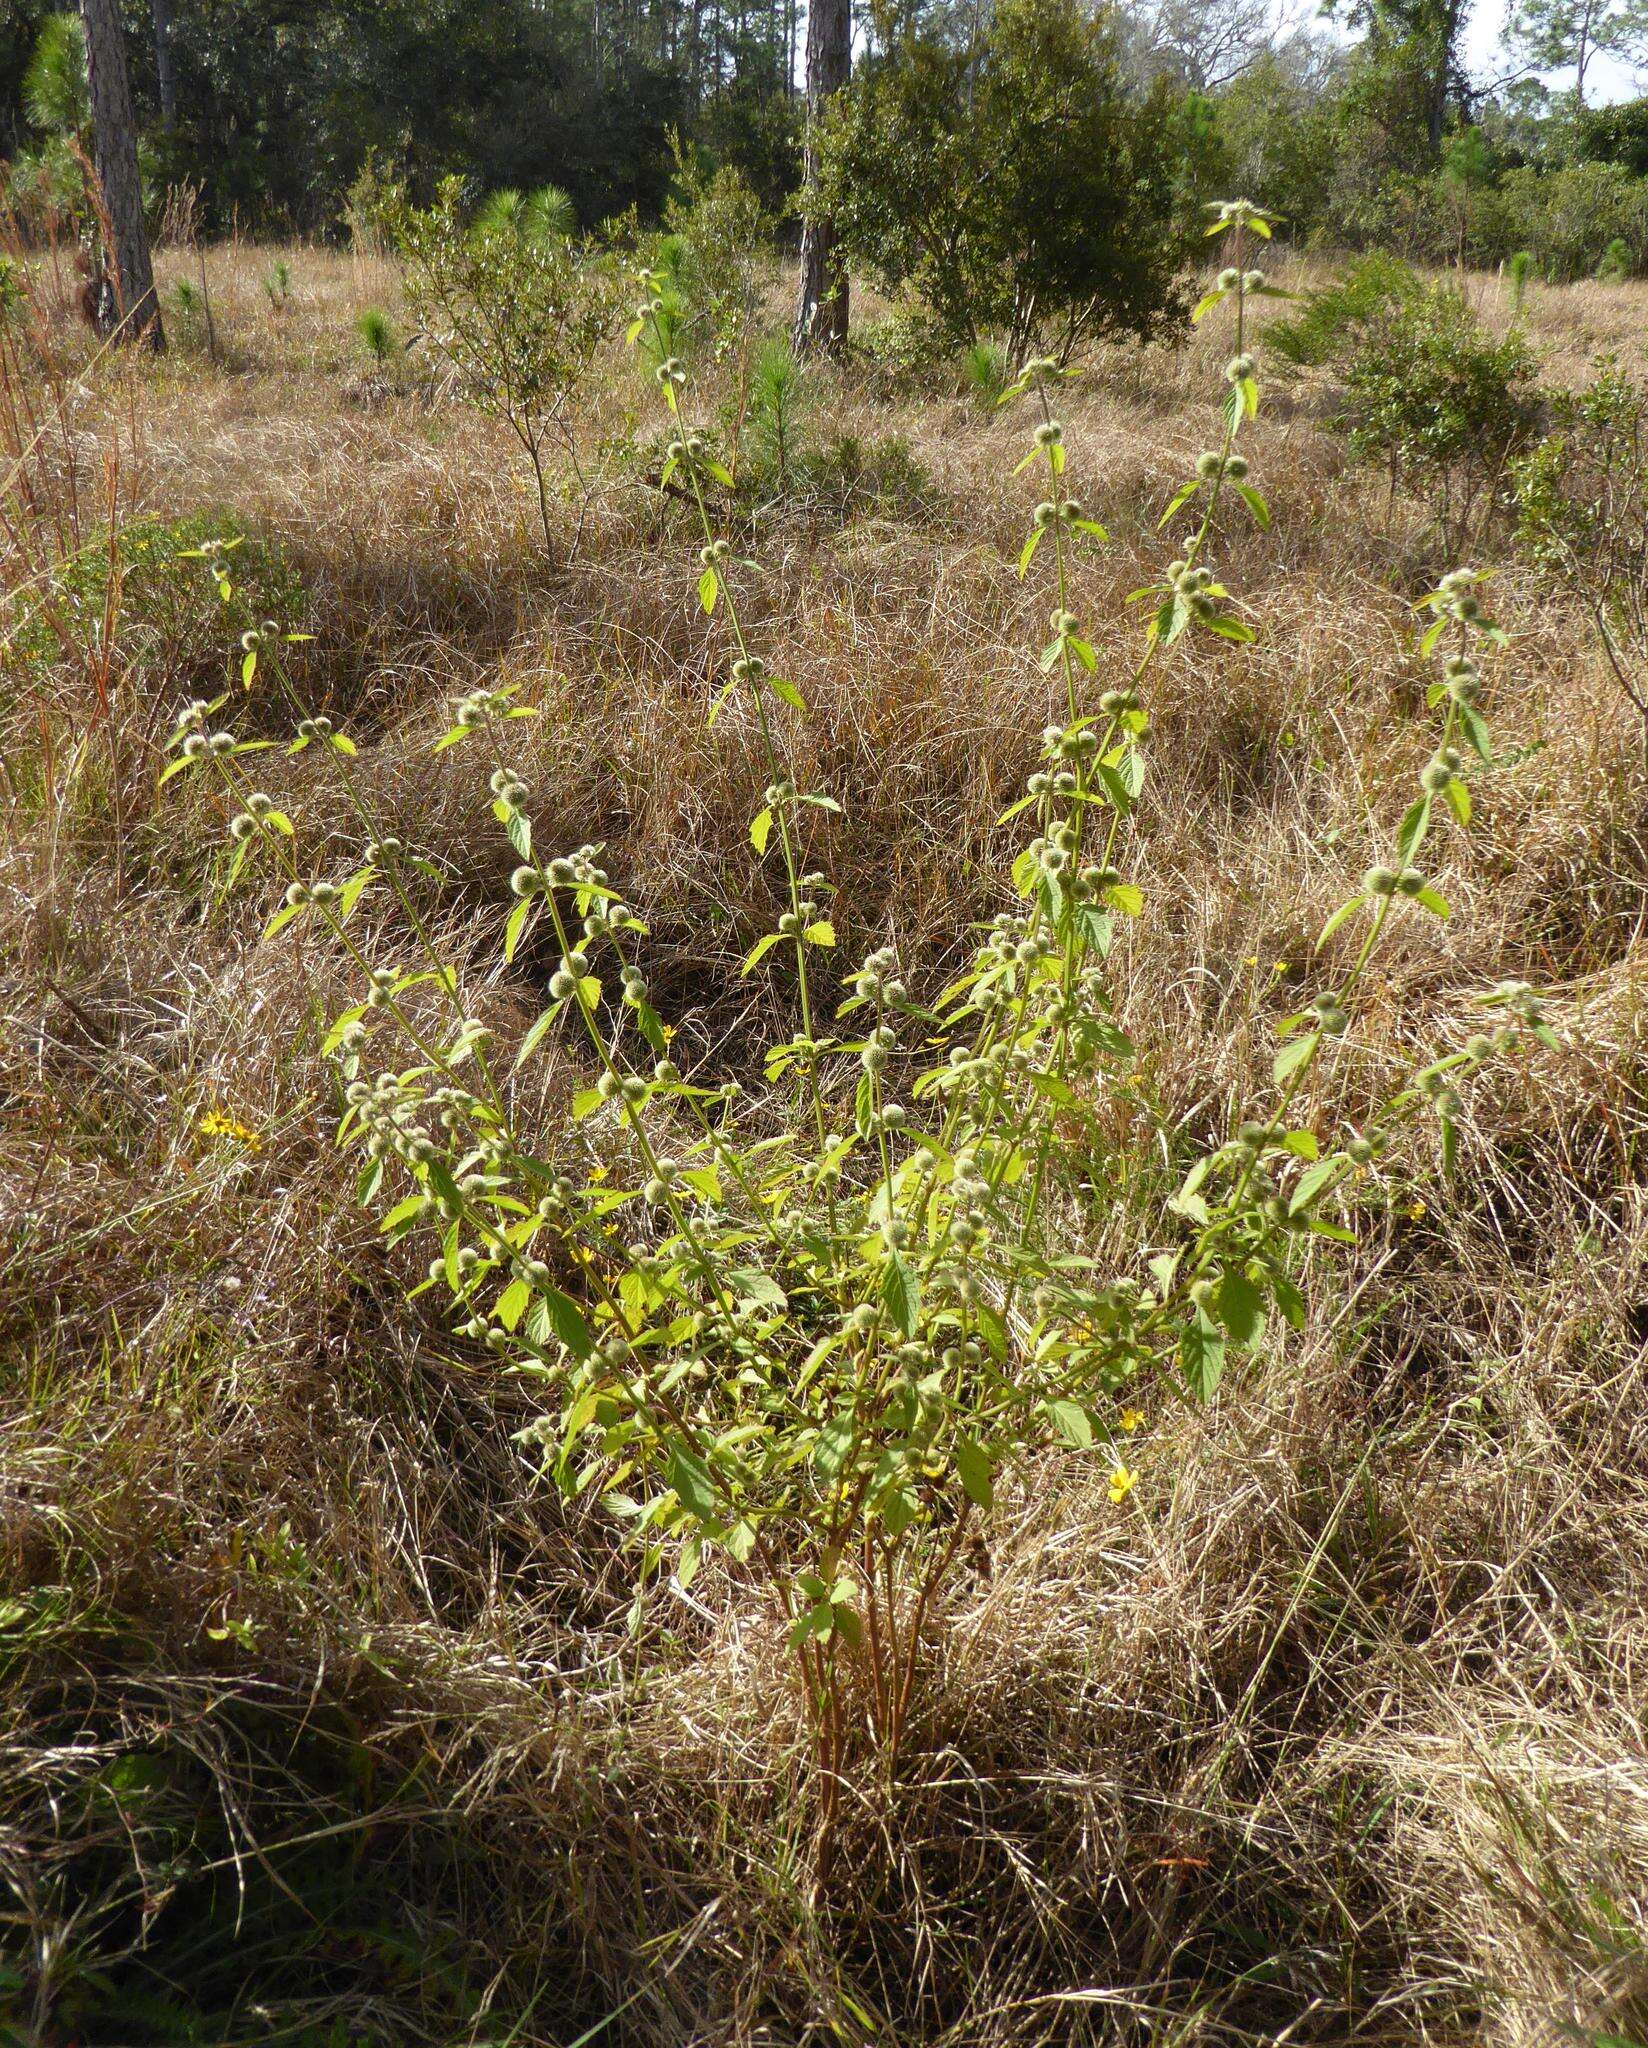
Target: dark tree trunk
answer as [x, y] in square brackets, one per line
[1442, 75]
[165, 76]
[114, 156]
[821, 308]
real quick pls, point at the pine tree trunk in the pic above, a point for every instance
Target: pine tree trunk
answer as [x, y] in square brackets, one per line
[821, 308]
[114, 156]
[165, 75]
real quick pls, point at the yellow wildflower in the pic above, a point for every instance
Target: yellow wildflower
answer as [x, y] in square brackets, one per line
[218, 1123]
[1131, 1418]
[1122, 1483]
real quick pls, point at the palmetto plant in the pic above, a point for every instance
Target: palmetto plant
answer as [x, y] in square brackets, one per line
[807, 1343]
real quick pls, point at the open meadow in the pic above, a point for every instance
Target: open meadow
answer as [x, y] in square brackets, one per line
[1313, 1709]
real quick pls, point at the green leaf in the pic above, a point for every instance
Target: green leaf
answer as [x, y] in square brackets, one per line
[1027, 553]
[1202, 1356]
[973, 1469]
[1072, 1422]
[1294, 1055]
[820, 934]
[834, 1446]
[709, 585]
[787, 693]
[1241, 1308]
[513, 1303]
[1413, 829]
[565, 1319]
[690, 1478]
[901, 1293]
[517, 923]
[759, 951]
[1314, 1183]
[1255, 503]
[1182, 496]
[761, 828]
[1338, 918]
[1428, 899]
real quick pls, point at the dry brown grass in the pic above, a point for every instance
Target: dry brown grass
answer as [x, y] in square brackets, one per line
[320, 1713]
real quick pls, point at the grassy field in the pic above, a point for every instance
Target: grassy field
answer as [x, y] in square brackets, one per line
[323, 1717]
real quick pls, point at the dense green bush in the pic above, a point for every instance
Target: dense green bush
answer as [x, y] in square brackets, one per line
[1015, 183]
[1445, 408]
[1333, 315]
[1568, 217]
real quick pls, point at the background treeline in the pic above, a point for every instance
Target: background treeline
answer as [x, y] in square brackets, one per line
[1365, 132]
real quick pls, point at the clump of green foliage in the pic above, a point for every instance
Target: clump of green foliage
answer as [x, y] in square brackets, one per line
[519, 314]
[986, 372]
[1616, 261]
[810, 1352]
[778, 396]
[1582, 505]
[1014, 184]
[543, 215]
[1440, 405]
[377, 336]
[45, 181]
[1333, 315]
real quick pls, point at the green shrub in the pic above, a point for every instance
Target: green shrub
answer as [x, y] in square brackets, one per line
[1582, 504]
[377, 335]
[777, 397]
[850, 478]
[908, 352]
[1444, 408]
[1333, 315]
[1570, 217]
[546, 215]
[519, 315]
[1016, 184]
[986, 372]
[716, 237]
[803, 1343]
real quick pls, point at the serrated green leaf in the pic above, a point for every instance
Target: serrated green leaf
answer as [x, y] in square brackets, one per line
[901, 1294]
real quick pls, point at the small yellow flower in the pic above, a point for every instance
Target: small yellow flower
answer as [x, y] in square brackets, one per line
[218, 1123]
[1131, 1418]
[1282, 966]
[1122, 1483]
[1416, 1209]
[1250, 960]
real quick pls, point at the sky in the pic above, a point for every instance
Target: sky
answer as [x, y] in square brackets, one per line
[1605, 78]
